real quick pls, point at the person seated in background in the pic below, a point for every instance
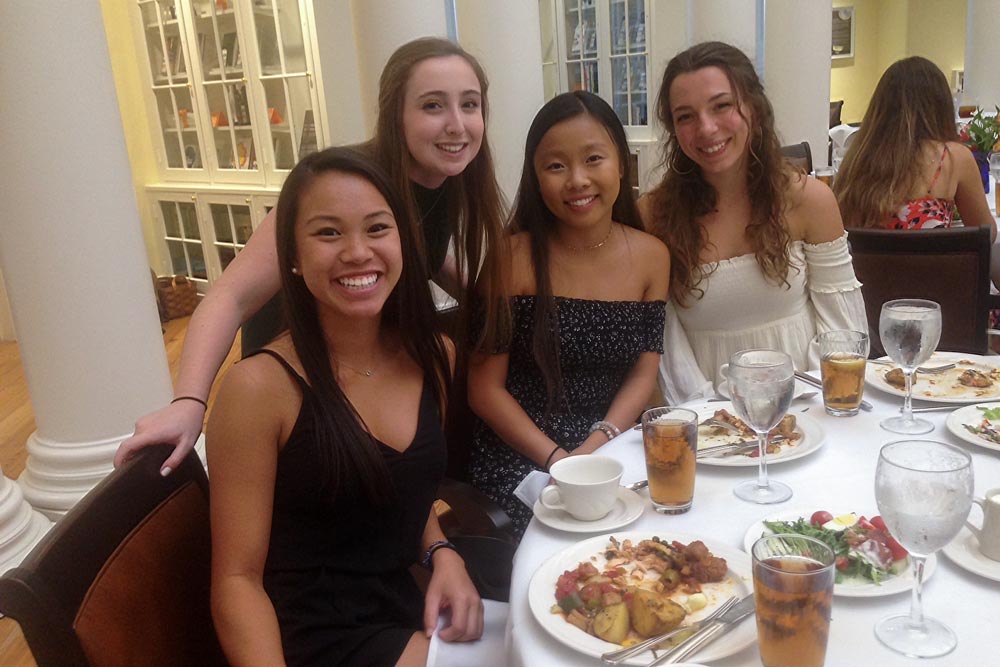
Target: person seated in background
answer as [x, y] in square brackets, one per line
[905, 168]
[326, 447]
[575, 361]
[758, 253]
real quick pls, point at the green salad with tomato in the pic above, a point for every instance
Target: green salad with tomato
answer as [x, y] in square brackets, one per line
[864, 548]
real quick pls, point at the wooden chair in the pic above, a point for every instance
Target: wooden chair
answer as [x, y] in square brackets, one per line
[800, 156]
[835, 108]
[949, 266]
[124, 577]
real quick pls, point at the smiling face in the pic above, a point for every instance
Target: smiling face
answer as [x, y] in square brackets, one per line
[442, 118]
[348, 248]
[579, 175]
[707, 121]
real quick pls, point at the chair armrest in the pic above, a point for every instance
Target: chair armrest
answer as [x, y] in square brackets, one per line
[475, 512]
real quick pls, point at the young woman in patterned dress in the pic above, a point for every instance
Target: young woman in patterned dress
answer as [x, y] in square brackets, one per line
[575, 358]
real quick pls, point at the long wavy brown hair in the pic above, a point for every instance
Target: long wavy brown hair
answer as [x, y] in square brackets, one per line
[475, 206]
[911, 105]
[684, 195]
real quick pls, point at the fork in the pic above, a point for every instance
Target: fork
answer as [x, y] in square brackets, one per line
[711, 421]
[615, 657]
[920, 369]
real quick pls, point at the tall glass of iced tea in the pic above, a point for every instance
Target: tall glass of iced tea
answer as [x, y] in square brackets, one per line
[670, 438]
[842, 364]
[793, 590]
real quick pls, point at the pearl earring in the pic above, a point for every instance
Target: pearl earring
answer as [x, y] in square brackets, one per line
[295, 270]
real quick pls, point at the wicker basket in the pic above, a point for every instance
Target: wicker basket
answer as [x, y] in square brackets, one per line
[177, 296]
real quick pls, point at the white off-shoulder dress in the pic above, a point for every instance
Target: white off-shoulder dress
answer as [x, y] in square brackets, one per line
[742, 309]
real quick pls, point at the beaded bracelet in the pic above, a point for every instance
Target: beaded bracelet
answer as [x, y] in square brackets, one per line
[440, 544]
[190, 398]
[607, 428]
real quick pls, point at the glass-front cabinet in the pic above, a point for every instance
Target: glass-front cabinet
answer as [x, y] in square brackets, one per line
[602, 47]
[232, 86]
[204, 230]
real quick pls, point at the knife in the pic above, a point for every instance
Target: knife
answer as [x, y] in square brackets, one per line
[708, 634]
[810, 380]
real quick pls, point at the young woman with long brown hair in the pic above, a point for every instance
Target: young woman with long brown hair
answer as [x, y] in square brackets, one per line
[585, 287]
[906, 168]
[431, 139]
[758, 252]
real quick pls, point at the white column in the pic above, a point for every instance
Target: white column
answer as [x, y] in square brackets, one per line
[382, 26]
[730, 21]
[797, 71]
[504, 37]
[72, 252]
[982, 54]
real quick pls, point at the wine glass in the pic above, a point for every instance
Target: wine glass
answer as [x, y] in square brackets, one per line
[762, 383]
[910, 330]
[924, 491]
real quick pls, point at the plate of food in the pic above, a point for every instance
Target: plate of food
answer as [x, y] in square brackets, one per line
[870, 563]
[974, 379]
[977, 424]
[613, 590]
[802, 436]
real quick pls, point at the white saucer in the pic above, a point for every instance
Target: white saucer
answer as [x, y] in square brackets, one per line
[629, 506]
[964, 552]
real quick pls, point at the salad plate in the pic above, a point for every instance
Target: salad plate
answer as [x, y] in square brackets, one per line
[942, 387]
[853, 587]
[813, 437]
[738, 581]
[964, 552]
[977, 424]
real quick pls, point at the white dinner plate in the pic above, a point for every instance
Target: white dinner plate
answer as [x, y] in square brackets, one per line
[800, 389]
[964, 552]
[899, 583]
[940, 387]
[629, 506]
[542, 589]
[973, 416]
[812, 439]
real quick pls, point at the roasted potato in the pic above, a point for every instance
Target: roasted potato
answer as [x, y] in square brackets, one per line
[612, 623]
[653, 613]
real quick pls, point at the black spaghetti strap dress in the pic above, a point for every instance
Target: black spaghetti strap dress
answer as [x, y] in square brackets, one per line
[337, 568]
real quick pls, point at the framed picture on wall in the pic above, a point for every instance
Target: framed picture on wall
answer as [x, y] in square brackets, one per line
[842, 38]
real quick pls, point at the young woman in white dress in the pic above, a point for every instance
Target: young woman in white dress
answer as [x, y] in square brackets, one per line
[759, 255]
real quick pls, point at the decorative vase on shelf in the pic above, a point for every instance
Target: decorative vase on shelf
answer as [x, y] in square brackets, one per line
[983, 162]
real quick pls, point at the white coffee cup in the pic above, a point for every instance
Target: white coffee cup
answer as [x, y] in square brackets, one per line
[585, 486]
[989, 534]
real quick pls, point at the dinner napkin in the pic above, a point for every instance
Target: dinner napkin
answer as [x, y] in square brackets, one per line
[531, 487]
[488, 651]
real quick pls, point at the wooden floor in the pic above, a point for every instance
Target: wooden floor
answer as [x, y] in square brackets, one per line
[17, 422]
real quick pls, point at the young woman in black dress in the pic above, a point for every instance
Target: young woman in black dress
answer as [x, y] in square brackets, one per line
[326, 448]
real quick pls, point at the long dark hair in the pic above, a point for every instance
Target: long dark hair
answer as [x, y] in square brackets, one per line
[911, 105]
[684, 195]
[351, 463]
[533, 216]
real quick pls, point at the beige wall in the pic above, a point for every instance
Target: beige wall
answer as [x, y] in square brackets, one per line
[887, 30]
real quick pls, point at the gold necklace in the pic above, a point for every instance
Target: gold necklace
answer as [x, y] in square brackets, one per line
[591, 247]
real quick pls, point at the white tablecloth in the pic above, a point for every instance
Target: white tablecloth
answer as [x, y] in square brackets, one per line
[838, 476]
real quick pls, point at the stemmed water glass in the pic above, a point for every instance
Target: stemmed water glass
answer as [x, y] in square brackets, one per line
[924, 491]
[762, 383]
[910, 330]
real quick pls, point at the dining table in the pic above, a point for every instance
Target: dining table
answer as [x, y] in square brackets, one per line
[839, 476]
